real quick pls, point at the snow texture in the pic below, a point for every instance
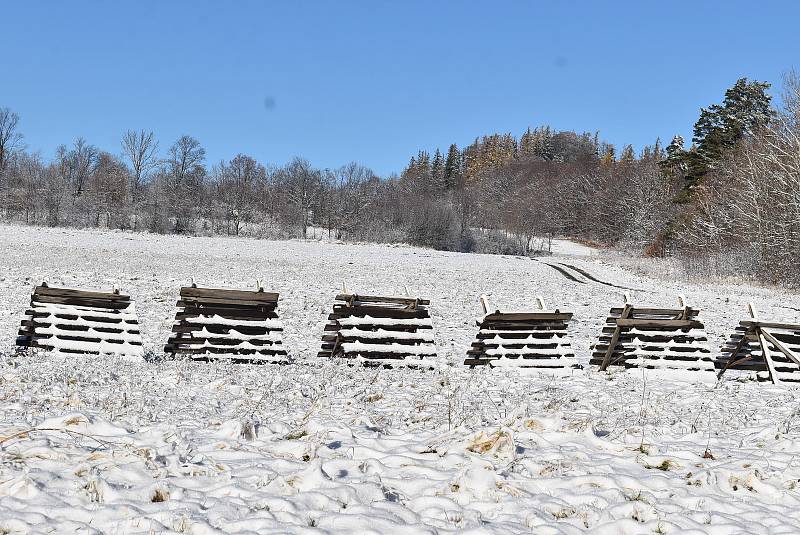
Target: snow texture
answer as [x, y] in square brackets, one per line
[107, 445]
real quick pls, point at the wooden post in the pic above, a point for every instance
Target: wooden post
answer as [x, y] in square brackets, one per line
[682, 303]
[767, 356]
[732, 360]
[626, 312]
[764, 346]
[484, 299]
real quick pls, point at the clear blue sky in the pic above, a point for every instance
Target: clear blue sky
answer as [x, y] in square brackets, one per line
[374, 81]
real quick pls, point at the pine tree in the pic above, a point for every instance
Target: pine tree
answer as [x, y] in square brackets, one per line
[543, 143]
[627, 155]
[607, 154]
[652, 153]
[452, 167]
[437, 171]
[745, 108]
[676, 160]
[526, 144]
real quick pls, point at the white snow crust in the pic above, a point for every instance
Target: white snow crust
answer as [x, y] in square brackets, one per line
[95, 445]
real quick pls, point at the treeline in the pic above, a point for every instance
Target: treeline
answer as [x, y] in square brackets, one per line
[728, 205]
[730, 202]
[503, 194]
[176, 191]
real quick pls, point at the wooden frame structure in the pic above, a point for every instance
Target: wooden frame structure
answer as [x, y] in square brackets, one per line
[763, 346]
[529, 339]
[237, 325]
[74, 321]
[655, 338]
[379, 330]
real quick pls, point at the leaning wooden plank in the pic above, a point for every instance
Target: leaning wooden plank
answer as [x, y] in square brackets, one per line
[763, 346]
[769, 336]
[615, 336]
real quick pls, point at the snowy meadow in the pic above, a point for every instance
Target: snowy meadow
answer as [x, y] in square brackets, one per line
[108, 445]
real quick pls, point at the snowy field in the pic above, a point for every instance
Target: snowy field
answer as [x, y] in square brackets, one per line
[90, 445]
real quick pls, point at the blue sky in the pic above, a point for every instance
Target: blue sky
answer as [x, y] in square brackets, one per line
[376, 81]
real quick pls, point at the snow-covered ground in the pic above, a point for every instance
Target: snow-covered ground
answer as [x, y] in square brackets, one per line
[91, 445]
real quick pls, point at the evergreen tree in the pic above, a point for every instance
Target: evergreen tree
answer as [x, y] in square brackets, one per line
[526, 144]
[543, 143]
[745, 108]
[452, 167]
[437, 171]
[658, 152]
[607, 154]
[627, 155]
[674, 164]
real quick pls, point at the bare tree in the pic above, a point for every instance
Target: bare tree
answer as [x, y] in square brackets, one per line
[141, 149]
[303, 185]
[236, 184]
[186, 173]
[10, 139]
[82, 160]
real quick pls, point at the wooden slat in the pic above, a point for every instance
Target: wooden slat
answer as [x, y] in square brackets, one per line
[109, 304]
[188, 327]
[221, 302]
[381, 299]
[527, 317]
[345, 311]
[663, 324]
[232, 295]
[227, 313]
[771, 325]
[657, 311]
[75, 293]
[177, 349]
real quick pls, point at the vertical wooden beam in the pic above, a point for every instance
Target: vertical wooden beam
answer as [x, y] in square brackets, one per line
[682, 303]
[767, 356]
[484, 299]
[762, 341]
[626, 312]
